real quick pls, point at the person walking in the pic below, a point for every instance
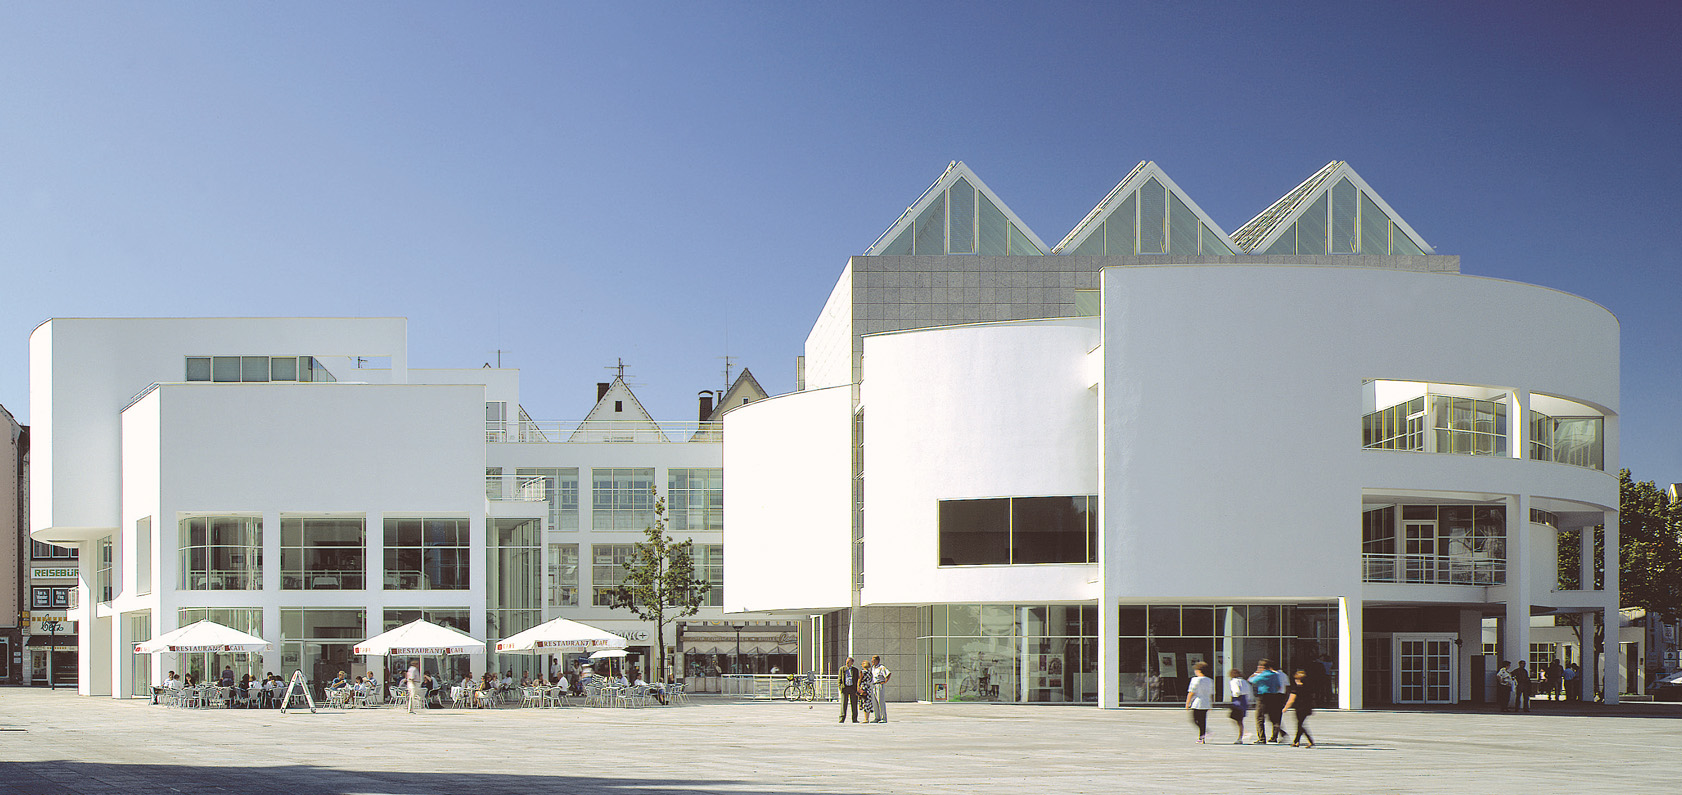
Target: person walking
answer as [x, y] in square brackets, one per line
[1270, 692]
[879, 677]
[848, 679]
[1241, 694]
[1522, 687]
[1200, 696]
[1300, 697]
[414, 680]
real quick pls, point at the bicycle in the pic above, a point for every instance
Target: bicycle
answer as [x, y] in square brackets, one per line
[802, 687]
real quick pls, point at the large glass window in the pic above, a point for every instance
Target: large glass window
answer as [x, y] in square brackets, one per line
[256, 369]
[210, 664]
[558, 486]
[1018, 530]
[104, 574]
[1434, 423]
[1441, 544]
[1567, 440]
[563, 575]
[322, 553]
[1011, 653]
[709, 567]
[1159, 644]
[320, 641]
[695, 498]
[621, 499]
[513, 576]
[458, 618]
[43, 551]
[607, 571]
[429, 554]
[222, 553]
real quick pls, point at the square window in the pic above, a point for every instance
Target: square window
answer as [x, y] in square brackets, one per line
[253, 368]
[283, 368]
[198, 368]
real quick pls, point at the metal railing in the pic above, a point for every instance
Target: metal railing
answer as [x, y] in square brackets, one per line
[621, 431]
[770, 686]
[1432, 569]
[518, 488]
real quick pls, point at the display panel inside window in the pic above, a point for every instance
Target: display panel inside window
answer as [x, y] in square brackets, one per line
[1018, 530]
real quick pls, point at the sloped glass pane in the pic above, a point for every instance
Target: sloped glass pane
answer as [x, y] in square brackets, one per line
[1153, 211]
[901, 247]
[1094, 243]
[1212, 245]
[992, 222]
[962, 221]
[1286, 244]
[1182, 228]
[1020, 245]
[1400, 243]
[1311, 228]
[1344, 202]
[931, 228]
[1375, 228]
[1120, 231]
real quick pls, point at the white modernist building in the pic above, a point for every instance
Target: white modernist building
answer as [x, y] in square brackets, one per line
[1069, 473]
[294, 478]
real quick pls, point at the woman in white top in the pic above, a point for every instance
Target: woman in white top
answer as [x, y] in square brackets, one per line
[1242, 693]
[1200, 696]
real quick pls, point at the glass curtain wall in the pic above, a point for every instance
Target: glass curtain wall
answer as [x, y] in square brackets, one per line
[1567, 440]
[1160, 643]
[222, 553]
[429, 554]
[322, 553]
[140, 629]
[695, 498]
[319, 641]
[513, 588]
[621, 499]
[1008, 653]
[563, 575]
[1462, 425]
[558, 486]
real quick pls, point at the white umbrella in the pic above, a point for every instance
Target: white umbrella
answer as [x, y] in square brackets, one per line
[203, 636]
[420, 637]
[560, 635]
[609, 653]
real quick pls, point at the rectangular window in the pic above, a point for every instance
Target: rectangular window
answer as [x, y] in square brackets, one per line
[1567, 440]
[198, 368]
[457, 618]
[621, 499]
[322, 553]
[563, 575]
[1018, 530]
[245, 619]
[607, 571]
[557, 486]
[1440, 544]
[513, 576]
[253, 368]
[283, 368]
[428, 554]
[224, 368]
[695, 498]
[105, 585]
[709, 567]
[43, 551]
[222, 553]
[49, 597]
[320, 641]
[143, 555]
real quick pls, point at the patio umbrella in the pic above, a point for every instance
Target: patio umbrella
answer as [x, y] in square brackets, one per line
[558, 636]
[202, 636]
[618, 654]
[420, 637]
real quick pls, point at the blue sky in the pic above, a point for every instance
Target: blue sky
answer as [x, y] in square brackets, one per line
[670, 182]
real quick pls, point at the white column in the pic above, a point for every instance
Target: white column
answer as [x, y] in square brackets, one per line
[1614, 665]
[1471, 645]
[1109, 651]
[1349, 645]
[1586, 668]
[1517, 625]
[1518, 425]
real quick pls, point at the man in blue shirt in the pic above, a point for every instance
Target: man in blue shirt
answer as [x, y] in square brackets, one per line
[1270, 692]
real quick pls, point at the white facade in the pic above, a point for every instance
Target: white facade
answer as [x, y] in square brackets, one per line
[1227, 411]
[249, 471]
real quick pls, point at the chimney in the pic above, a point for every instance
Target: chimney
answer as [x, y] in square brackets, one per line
[601, 391]
[706, 404]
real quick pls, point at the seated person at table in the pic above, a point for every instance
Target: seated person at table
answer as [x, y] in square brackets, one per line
[486, 694]
[338, 682]
[227, 679]
[172, 681]
[659, 691]
[373, 684]
[188, 680]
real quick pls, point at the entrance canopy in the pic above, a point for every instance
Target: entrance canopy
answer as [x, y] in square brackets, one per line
[559, 636]
[203, 636]
[420, 637]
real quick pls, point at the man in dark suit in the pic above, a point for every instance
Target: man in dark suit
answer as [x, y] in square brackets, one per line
[848, 679]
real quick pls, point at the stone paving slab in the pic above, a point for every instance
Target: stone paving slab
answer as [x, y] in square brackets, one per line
[58, 743]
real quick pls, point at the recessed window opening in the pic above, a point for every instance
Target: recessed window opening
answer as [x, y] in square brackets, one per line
[1018, 530]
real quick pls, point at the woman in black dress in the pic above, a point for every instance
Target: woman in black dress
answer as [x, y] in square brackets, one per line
[1301, 699]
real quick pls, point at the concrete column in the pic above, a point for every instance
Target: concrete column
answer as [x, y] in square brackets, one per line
[1517, 625]
[1586, 678]
[1614, 665]
[1349, 670]
[1471, 645]
[1585, 558]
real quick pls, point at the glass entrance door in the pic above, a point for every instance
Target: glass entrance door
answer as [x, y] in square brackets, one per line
[1420, 551]
[1424, 666]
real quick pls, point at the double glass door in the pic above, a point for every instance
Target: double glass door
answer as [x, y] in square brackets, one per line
[1424, 669]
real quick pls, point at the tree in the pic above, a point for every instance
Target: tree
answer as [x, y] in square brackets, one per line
[660, 584]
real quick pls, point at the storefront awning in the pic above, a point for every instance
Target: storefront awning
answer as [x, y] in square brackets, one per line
[52, 640]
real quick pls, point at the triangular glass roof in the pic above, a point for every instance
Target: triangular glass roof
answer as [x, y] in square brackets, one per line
[1332, 212]
[1147, 213]
[958, 214]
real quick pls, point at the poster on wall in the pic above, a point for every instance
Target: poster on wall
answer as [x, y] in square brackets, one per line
[940, 691]
[1167, 664]
[1054, 673]
[1192, 659]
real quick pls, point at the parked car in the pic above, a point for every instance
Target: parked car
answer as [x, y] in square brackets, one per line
[1667, 687]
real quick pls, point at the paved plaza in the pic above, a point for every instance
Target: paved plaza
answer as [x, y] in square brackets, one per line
[61, 743]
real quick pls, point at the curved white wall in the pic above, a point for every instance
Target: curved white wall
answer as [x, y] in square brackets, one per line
[1233, 403]
[788, 503]
[989, 410]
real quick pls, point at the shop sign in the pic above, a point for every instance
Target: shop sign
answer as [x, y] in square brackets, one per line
[46, 573]
[38, 625]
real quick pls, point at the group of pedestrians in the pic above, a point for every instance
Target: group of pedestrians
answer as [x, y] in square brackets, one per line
[1517, 685]
[862, 689]
[1268, 692]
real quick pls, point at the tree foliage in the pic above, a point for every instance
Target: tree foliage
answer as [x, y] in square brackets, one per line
[660, 585]
[1649, 549]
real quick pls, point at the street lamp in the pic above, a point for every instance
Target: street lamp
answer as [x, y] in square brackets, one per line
[738, 628]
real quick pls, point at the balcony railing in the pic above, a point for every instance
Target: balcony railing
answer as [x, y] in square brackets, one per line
[518, 488]
[1432, 569]
[622, 431]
